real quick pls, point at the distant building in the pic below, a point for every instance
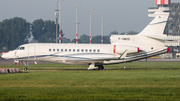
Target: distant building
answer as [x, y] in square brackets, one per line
[173, 25]
[172, 29]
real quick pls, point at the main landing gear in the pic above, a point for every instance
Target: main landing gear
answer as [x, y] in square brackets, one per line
[101, 67]
[96, 67]
[26, 65]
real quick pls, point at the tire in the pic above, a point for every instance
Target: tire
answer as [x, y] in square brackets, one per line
[101, 67]
[25, 69]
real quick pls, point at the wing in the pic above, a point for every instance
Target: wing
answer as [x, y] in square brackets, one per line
[98, 58]
[91, 59]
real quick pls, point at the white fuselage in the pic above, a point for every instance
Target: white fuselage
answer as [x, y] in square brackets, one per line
[62, 53]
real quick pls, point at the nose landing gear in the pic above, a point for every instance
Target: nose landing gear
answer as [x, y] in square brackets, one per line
[26, 65]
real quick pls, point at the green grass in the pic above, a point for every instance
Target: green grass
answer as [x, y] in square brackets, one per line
[140, 81]
[134, 65]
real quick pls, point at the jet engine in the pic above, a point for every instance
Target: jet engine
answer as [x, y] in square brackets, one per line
[120, 49]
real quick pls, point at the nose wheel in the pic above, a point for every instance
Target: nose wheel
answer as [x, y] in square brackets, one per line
[25, 69]
[26, 65]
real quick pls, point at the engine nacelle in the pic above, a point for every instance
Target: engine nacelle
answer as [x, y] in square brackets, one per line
[120, 49]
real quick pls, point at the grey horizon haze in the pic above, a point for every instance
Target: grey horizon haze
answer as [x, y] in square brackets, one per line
[121, 15]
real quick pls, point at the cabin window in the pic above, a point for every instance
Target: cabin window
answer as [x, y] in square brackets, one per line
[57, 50]
[61, 50]
[54, 50]
[90, 50]
[82, 50]
[74, 50]
[77, 50]
[98, 50]
[49, 50]
[65, 50]
[86, 50]
[94, 50]
[69, 50]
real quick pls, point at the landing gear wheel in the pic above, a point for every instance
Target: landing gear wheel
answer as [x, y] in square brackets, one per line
[26, 65]
[25, 69]
[101, 67]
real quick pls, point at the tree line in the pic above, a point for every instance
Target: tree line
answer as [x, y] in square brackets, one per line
[17, 31]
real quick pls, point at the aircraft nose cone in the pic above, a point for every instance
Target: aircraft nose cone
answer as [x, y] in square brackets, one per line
[4, 56]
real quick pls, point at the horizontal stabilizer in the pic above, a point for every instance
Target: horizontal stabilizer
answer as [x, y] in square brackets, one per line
[158, 37]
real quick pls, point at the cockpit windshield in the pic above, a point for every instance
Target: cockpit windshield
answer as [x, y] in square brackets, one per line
[17, 48]
[20, 48]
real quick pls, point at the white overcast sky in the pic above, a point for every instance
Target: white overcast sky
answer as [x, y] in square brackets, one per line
[121, 15]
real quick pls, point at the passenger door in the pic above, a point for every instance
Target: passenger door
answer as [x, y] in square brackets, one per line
[31, 53]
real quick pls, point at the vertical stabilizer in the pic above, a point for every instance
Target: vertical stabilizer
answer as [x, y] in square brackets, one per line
[157, 26]
[151, 37]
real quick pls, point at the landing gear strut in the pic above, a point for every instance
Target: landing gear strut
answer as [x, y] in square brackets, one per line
[26, 65]
[96, 67]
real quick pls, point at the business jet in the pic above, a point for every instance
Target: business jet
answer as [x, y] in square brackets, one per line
[123, 48]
